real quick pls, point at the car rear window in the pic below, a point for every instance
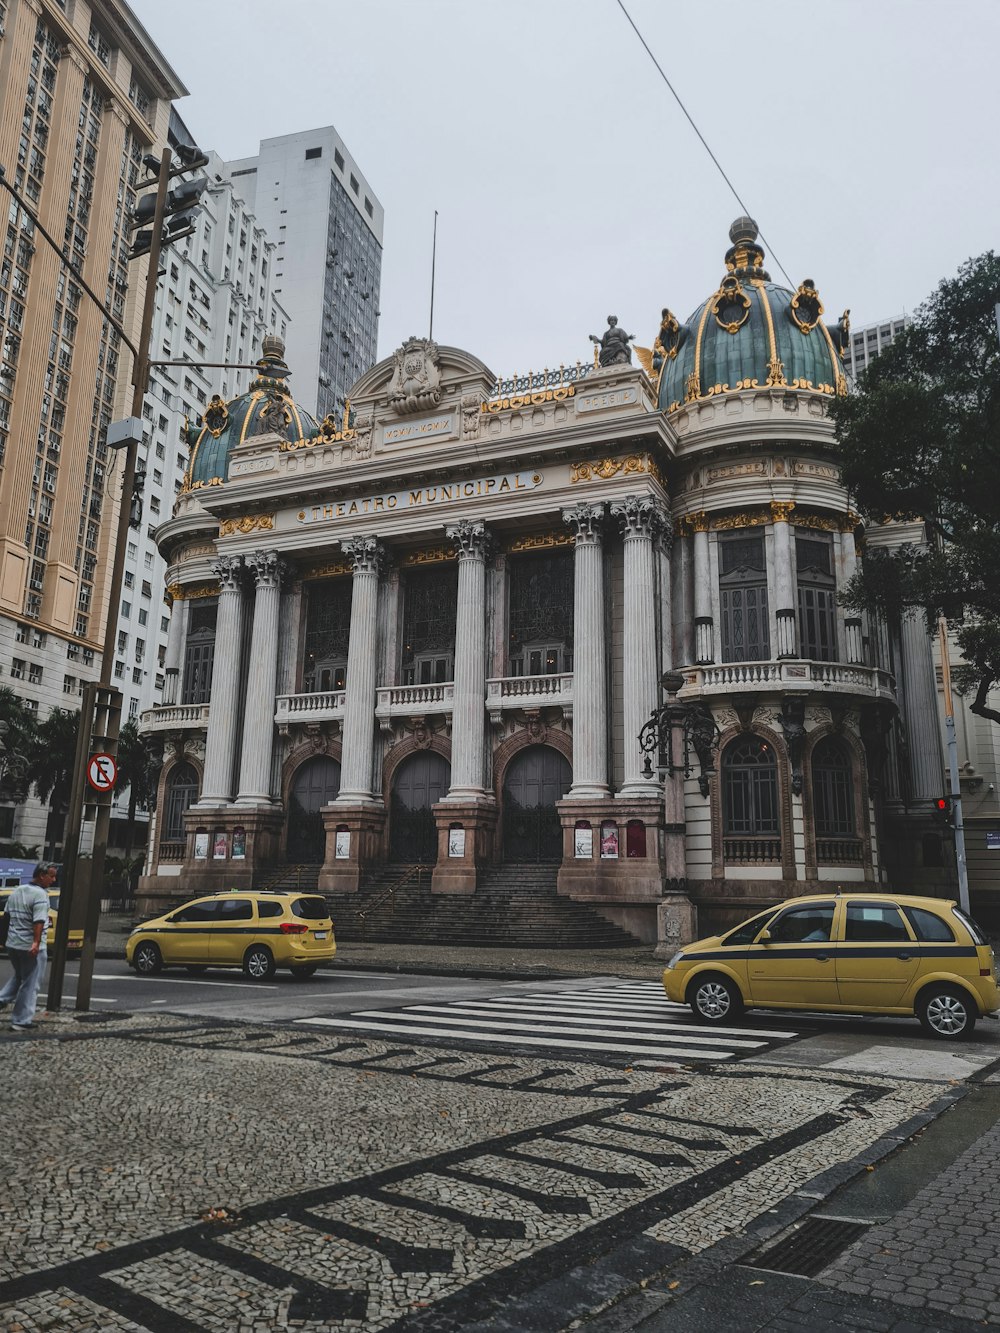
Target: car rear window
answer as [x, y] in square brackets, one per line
[929, 926]
[311, 909]
[971, 926]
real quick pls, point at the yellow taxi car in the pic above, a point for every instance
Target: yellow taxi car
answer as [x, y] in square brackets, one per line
[854, 953]
[258, 932]
[74, 944]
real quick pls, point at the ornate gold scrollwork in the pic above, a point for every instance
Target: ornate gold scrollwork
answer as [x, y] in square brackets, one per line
[731, 306]
[781, 510]
[180, 592]
[806, 306]
[246, 524]
[539, 541]
[606, 468]
[429, 555]
[216, 416]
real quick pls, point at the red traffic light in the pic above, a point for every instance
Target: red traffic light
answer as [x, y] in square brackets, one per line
[943, 803]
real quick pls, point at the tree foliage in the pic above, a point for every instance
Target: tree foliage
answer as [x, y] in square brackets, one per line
[138, 769]
[19, 742]
[920, 439]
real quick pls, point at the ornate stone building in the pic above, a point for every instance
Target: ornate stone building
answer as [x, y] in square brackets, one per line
[433, 632]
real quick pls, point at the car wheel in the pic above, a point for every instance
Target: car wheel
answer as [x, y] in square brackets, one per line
[195, 969]
[147, 959]
[946, 1011]
[258, 963]
[714, 999]
[302, 970]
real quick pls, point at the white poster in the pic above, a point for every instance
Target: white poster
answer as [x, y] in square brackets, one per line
[456, 842]
[583, 843]
[343, 845]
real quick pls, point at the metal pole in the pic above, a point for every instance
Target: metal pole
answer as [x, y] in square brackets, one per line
[110, 697]
[434, 251]
[956, 788]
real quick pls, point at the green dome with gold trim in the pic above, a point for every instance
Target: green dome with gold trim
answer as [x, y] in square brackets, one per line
[266, 408]
[749, 334]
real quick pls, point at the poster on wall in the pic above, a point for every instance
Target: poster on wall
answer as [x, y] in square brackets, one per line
[609, 842]
[583, 842]
[239, 843]
[456, 842]
[201, 845]
[342, 844]
[220, 849]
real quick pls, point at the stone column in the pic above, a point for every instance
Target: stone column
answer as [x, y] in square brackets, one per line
[468, 738]
[362, 675]
[175, 651]
[919, 706]
[784, 585]
[642, 518]
[224, 706]
[590, 737]
[258, 715]
[852, 622]
[704, 635]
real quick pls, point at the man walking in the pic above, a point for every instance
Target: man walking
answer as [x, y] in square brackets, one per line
[28, 911]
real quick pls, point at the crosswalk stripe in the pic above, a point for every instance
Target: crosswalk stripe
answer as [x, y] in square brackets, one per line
[397, 1029]
[739, 1038]
[509, 1025]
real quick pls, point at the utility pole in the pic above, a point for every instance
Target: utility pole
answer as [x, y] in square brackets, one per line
[954, 783]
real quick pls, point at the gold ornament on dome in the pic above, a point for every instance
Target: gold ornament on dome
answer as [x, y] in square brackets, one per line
[731, 305]
[775, 372]
[806, 307]
[245, 524]
[216, 416]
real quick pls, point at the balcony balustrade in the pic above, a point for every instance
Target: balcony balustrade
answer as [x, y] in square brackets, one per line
[318, 706]
[173, 717]
[792, 674]
[512, 692]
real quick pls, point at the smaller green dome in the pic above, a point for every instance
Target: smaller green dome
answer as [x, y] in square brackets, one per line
[751, 333]
[266, 408]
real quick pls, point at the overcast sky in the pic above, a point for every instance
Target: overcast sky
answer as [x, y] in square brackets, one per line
[861, 134]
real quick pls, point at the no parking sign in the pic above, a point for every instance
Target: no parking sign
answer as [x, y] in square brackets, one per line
[101, 772]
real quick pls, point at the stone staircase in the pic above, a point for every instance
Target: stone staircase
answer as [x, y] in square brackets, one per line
[514, 906]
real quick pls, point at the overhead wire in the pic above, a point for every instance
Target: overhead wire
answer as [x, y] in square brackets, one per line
[704, 142]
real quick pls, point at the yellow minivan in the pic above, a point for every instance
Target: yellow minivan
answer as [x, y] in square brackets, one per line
[257, 932]
[853, 953]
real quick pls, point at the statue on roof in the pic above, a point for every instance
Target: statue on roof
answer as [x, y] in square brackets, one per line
[272, 418]
[614, 345]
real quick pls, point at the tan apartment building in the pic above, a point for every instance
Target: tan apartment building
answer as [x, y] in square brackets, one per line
[84, 94]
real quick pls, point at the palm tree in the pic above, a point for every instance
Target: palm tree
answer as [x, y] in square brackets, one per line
[138, 768]
[50, 770]
[18, 729]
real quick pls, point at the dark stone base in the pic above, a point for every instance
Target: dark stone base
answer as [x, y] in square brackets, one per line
[362, 848]
[457, 871]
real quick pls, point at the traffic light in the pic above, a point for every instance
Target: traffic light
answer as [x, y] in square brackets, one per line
[180, 206]
[944, 814]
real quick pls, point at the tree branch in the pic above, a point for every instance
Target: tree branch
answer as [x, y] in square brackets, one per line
[978, 704]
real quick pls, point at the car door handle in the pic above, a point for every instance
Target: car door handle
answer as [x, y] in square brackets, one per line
[822, 958]
[904, 957]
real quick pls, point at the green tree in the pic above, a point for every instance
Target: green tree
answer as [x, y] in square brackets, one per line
[19, 745]
[920, 439]
[50, 770]
[138, 769]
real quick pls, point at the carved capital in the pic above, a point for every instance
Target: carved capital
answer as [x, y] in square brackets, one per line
[228, 569]
[781, 510]
[585, 520]
[641, 516]
[268, 569]
[471, 537]
[697, 521]
[368, 554]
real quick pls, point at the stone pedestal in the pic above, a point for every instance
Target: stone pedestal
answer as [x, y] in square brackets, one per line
[230, 847]
[465, 840]
[676, 924]
[624, 888]
[359, 850]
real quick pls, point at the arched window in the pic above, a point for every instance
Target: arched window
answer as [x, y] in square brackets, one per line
[182, 792]
[833, 790]
[833, 804]
[751, 825]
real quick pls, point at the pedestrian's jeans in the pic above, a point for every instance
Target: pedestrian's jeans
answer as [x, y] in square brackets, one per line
[28, 973]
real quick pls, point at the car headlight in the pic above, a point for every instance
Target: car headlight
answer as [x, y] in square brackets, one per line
[678, 957]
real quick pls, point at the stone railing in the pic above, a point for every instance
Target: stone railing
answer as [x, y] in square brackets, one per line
[413, 701]
[170, 717]
[751, 851]
[794, 674]
[509, 692]
[839, 851]
[323, 706]
[170, 851]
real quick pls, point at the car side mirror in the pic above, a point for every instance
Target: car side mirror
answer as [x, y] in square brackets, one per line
[764, 937]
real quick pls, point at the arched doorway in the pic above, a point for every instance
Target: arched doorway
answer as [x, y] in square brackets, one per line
[419, 782]
[535, 779]
[315, 784]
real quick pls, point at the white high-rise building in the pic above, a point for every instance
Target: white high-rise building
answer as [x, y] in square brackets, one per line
[215, 303]
[866, 343]
[310, 196]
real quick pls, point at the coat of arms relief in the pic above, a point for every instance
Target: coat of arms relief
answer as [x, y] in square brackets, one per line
[416, 376]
